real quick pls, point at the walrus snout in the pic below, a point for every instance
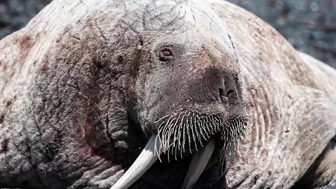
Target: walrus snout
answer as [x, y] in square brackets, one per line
[189, 104]
[191, 93]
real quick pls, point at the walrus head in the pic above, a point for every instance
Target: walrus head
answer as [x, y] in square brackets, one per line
[188, 90]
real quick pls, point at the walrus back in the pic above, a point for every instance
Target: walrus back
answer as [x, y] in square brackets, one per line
[325, 76]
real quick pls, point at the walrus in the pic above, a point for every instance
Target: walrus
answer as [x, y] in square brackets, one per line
[161, 94]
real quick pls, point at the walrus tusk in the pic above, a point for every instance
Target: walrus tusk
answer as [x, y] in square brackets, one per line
[197, 165]
[144, 161]
[148, 156]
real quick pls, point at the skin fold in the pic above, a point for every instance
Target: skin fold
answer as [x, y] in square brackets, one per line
[86, 84]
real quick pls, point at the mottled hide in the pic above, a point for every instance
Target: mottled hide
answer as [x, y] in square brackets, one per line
[87, 83]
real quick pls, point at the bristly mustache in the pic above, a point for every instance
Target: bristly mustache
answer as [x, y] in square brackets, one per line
[233, 130]
[186, 131]
[183, 131]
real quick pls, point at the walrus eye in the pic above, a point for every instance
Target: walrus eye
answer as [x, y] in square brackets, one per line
[165, 54]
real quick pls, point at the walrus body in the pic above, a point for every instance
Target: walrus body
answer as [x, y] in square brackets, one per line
[86, 84]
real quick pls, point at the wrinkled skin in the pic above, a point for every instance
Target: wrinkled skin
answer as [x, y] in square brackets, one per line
[85, 85]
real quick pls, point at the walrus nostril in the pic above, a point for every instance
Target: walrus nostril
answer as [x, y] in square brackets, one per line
[221, 92]
[222, 95]
[229, 92]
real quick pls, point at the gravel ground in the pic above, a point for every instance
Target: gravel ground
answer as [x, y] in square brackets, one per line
[309, 25]
[14, 14]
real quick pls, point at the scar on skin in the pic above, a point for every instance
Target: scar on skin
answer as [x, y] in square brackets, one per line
[25, 44]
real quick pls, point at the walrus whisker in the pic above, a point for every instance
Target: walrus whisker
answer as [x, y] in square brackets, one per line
[197, 132]
[233, 130]
[188, 134]
[167, 133]
[207, 128]
[193, 131]
[202, 129]
[184, 137]
[176, 126]
[181, 134]
[176, 136]
[213, 127]
[170, 141]
[162, 129]
[187, 131]
[161, 118]
[158, 141]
